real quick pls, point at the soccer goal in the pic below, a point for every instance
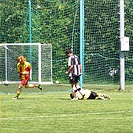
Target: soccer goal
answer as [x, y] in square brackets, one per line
[39, 55]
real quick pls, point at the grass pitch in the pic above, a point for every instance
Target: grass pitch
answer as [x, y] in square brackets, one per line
[52, 111]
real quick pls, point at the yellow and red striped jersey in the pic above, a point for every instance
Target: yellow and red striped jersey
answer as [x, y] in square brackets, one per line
[26, 67]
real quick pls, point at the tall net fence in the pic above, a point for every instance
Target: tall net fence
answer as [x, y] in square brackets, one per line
[129, 33]
[58, 23]
[102, 41]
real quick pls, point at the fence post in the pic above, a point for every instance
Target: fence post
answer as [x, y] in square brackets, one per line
[122, 59]
[30, 30]
[82, 39]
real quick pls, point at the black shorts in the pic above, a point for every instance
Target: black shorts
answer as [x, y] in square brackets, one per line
[93, 95]
[74, 79]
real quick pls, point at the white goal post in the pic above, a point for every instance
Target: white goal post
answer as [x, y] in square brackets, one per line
[39, 55]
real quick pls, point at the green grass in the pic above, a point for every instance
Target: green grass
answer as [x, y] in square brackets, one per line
[51, 111]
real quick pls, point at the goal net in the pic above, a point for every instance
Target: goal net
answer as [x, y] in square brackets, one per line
[39, 55]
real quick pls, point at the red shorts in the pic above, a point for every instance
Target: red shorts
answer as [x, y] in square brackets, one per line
[25, 81]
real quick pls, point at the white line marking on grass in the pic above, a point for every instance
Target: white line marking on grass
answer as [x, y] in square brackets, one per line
[63, 115]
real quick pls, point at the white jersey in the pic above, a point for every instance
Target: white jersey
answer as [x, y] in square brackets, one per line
[86, 92]
[73, 60]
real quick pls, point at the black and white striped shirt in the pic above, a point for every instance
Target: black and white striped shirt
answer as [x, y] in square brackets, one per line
[73, 60]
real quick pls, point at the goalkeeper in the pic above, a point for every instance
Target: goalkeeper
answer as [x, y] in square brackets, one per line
[25, 72]
[90, 95]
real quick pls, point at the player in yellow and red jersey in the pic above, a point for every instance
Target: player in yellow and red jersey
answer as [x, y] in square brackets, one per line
[25, 74]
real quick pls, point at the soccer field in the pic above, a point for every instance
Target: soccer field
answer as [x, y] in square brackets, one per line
[52, 111]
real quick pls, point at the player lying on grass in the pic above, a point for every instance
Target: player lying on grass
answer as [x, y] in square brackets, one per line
[25, 72]
[90, 95]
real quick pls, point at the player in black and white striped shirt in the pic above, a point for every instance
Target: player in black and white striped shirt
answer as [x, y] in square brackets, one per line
[74, 71]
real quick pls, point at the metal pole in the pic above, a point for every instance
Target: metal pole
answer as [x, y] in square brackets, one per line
[122, 59]
[30, 22]
[30, 30]
[82, 39]
[6, 65]
[39, 63]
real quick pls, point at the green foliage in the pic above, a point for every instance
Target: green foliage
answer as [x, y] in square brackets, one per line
[58, 22]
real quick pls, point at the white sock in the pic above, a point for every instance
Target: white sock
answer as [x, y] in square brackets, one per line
[81, 92]
[74, 91]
